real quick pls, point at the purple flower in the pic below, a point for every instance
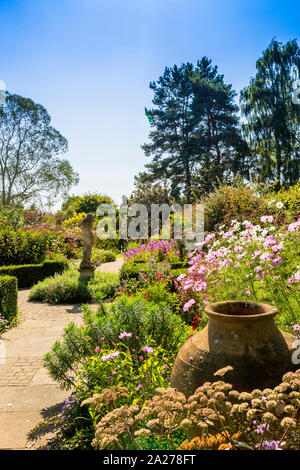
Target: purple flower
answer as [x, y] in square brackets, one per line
[262, 428]
[141, 358]
[271, 445]
[140, 386]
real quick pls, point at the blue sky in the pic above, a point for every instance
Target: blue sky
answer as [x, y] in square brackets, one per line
[89, 62]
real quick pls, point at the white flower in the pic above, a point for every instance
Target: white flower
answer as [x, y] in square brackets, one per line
[279, 205]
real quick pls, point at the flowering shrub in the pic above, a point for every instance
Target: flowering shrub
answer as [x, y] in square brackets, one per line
[136, 316]
[252, 262]
[261, 420]
[73, 222]
[31, 245]
[69, 288]
[161, 250]
[19, 246]
[140, 370]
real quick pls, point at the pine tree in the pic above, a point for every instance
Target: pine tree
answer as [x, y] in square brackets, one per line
[194, 127]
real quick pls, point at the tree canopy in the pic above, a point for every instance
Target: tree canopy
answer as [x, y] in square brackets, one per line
[30, 148]
[194, 129]
[272, 126]
[86, 203]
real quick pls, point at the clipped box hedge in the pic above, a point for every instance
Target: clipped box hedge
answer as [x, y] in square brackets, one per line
[8, 297]
[30, 274]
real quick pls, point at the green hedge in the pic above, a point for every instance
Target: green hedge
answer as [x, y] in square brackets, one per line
[30, 274]
[130, 270]
[8, 297]
[180, 264]
[19, 247]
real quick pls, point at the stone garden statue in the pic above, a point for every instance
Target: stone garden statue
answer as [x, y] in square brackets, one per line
[86, 268]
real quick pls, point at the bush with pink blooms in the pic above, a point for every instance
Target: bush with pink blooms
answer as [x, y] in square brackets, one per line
[159, 250]
[245, 261]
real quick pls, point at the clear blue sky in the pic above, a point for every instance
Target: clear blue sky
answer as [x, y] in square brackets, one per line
[89, 62]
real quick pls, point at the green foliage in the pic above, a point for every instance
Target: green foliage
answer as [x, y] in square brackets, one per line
[176, 272]
[69, 288]
[232, 202]
[109, 244]
[27, 247]
[87, 203]
[272, 125]
[131, 270]
[102, 256]
[194, 130]
[30, 274]
[8, 297]
[141, 318]
[72, 223]
[11, 215]
[148, 193]
[30, 148]
[290, 198]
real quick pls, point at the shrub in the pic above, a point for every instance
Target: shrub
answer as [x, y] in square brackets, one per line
[102, 256]
[72, 223]
[160, 250]
[69, 288]
[8, 297]
[108, 244]
[130, 270]
[229, 202]
[261, 420]
[179, 265]
[30, 274]
[27, 246]
[11, 216]
[136, 316]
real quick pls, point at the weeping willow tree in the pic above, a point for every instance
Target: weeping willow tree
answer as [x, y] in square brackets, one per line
[272, 119]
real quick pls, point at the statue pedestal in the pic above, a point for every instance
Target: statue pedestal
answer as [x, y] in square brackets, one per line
[85, 273]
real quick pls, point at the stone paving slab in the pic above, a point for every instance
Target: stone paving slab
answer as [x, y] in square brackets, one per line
[26, 389]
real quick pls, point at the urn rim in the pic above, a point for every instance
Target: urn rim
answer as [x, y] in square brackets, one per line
[240, 310]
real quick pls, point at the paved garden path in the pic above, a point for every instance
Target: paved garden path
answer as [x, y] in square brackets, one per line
[112, 267]
[27, 393]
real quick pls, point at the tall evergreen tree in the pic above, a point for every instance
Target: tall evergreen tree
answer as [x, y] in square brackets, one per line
[222, 151]
[272, 126]
[194, 128]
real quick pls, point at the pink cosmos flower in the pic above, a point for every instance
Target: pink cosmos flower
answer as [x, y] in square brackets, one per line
[267, 218]
[148, 349]
[294, 226]
[277, 261]
[110, 356]
[188, 305]
[125, 335]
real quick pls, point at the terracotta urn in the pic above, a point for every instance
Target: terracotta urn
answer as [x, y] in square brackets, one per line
[238, 334]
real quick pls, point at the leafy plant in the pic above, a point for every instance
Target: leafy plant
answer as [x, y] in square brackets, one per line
[69, 288]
